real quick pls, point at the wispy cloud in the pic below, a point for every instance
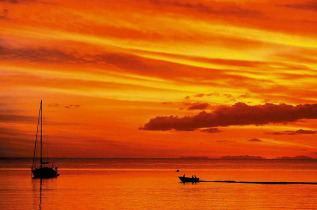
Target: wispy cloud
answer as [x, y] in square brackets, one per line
[53, 105]
[225, 9]
[4, 14]
[72, 106]
[307, 5]
[215, 53]
[10, 1]
[300, 131]
[211, 130]
[225, 141]
[7, 118]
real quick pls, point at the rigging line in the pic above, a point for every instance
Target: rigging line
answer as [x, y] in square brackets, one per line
[37, 129]
[46, 150]
[41, 134]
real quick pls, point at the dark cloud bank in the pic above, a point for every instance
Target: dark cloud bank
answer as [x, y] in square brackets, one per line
[200, 106]
[238, 114]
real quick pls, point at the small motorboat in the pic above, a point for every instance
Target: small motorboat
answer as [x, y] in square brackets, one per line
[192, 179]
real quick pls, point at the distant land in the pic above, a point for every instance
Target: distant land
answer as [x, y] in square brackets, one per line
[195, 157]
[242, 157]
[248, 157]
[295, 158]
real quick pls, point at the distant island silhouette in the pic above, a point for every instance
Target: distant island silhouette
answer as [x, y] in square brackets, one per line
[296, 158]
[195, 157]
[247, 157]
[241, 157]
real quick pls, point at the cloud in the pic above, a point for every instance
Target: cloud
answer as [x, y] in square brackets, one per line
[200, 95]
[8, 131]
[199, 106]
[4, 14]
[167, 102]
[224, 141]
[9, 115]
[228, 9]
[54, 105]
[71, 106]
[244, 96]
[255, 140]
[15, 140]
[40, 55]
[211, 130]
[123, 62]
[10, 1]
[276, 133]
[229, 96]
[19, 1]
[308, 5]
[238, 114]
[300, 131]
[16, 118]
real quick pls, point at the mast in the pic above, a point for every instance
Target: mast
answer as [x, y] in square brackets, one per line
[35, 145]
[41, 134]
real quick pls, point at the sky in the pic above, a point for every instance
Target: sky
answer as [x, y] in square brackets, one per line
[159, 78]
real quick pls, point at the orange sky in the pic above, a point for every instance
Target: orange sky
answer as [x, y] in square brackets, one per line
[111, 73]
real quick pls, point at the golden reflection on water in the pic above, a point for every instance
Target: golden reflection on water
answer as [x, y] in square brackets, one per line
[158, 189]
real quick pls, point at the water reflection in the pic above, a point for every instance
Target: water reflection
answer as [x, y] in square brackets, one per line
[42, 191]
[142, 188]
[40, 203]
[37, 193]
[189, 183]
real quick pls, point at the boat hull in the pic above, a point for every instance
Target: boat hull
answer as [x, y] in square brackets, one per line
[188, 179]
[45, 172]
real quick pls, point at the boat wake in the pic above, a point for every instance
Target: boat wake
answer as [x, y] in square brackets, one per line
[246, 182]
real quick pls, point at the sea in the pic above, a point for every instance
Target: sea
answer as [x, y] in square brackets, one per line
[154, 184]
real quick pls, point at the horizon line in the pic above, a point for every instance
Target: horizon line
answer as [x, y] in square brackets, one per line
[192, 158]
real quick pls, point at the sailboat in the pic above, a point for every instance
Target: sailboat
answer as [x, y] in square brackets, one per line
[43, 169]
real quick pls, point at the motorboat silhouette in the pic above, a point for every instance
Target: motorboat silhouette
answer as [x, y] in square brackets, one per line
[192, 179]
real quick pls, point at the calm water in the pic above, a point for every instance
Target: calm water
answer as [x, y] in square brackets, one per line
[153, 184]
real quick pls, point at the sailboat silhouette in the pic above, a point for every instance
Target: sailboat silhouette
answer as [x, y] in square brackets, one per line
[43, 170]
